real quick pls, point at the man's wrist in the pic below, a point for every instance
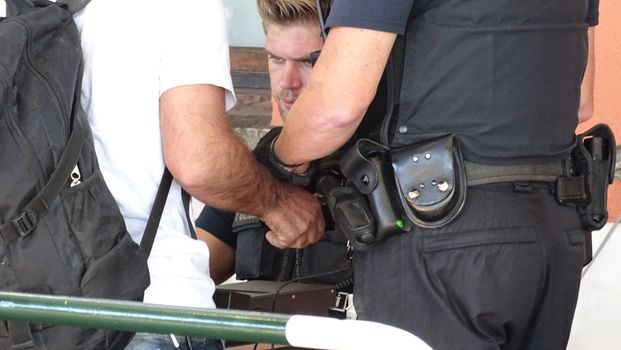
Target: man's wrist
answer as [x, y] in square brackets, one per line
[286, 166]
[272, 205]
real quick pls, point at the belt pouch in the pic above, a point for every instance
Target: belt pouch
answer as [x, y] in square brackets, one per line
[594, 160]
[431, 180]
[367, 167]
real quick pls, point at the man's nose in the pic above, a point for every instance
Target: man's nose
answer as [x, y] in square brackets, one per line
[291, 78]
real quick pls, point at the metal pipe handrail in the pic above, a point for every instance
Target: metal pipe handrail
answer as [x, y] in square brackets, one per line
[246, 326]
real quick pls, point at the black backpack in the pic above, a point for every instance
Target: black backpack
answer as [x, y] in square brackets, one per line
[61, 231]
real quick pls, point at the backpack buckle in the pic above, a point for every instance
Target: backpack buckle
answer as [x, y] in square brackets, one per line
[26, 222]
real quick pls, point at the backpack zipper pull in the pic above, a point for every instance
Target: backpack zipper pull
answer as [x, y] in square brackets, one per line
[76, 177]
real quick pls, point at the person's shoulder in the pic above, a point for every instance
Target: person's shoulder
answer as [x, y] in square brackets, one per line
[210, 212]
[215, 220]
[390, 16]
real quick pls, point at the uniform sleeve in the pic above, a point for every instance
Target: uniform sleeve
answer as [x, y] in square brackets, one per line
[219, 223]
[386, 15]
[194, 48]
[593, 14]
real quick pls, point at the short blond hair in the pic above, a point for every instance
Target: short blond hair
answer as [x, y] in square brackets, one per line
[284, 12]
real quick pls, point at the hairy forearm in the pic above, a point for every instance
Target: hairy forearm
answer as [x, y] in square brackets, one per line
[215, 166]
[206, 157]
[312, 132]
[231, 177]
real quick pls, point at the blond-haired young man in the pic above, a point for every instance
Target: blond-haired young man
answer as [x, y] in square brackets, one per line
[292, 34]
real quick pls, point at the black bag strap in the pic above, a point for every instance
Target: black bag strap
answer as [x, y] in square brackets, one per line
[74, 6]
[26, 222]
[394, 68]
[146, 243]
[384, 108]
[14, 8]
[185, 197]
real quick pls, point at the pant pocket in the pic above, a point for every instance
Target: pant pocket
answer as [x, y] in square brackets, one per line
[456, 240]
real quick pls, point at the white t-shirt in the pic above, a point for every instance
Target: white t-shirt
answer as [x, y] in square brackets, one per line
[134, 50]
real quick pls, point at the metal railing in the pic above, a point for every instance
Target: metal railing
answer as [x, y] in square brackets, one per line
[140, 317]
[245, 326]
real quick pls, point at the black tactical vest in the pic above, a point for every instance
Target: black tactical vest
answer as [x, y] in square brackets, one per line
[503, 75]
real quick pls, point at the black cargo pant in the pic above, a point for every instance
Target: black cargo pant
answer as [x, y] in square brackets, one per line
[504, 275]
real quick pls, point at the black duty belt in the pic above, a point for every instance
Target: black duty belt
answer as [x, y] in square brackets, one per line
[480, 174]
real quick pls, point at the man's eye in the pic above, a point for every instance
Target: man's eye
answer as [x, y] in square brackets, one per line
[277, 60]
[307, 63]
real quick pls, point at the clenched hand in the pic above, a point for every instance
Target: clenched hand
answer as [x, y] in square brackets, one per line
[295, 220]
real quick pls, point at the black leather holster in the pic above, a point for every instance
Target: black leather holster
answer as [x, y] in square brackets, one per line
[421, 184]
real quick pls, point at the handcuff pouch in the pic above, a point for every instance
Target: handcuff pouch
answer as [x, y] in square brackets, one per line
[431, 180]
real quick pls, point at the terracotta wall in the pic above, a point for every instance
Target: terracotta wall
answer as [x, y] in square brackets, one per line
[608, 83]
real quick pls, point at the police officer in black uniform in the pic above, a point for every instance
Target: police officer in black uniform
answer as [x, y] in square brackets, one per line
[504, 77]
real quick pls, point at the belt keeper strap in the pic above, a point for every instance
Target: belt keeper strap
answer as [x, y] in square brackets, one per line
[572, 190]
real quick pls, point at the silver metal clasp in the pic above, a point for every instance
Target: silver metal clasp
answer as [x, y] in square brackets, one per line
[76, 177]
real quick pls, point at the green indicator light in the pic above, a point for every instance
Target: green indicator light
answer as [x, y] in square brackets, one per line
[399, 223]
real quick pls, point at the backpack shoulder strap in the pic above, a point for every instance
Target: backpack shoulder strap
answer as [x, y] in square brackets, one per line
[186, 198]
[74, 5]
[395, 68]
[17, 7]
[146, 243]
[23, 224]
[158, 208]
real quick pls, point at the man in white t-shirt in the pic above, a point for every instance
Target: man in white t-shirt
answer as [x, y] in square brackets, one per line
[156, 87]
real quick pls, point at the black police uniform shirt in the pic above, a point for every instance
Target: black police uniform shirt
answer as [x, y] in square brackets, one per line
[510, 95]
